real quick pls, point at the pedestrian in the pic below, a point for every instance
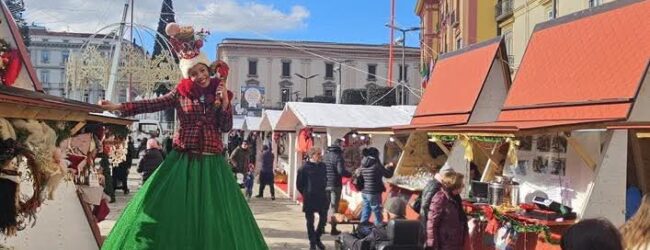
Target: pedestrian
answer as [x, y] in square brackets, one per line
[191, 201]
[151, 159]
[335, 165]
[446, 222]
[372, 172]
[311, 183]
[636, 231]
[266, 174]
[432, 187]
[240, 158]
[249, 180]
[105, 166]
[121, 172]
[252, 144]
[234, 140]
[591, 234]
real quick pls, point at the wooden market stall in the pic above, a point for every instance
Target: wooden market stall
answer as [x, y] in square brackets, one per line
[329, 122]
[54, 212]
[466, 86]
[570, 131]
[279, 141]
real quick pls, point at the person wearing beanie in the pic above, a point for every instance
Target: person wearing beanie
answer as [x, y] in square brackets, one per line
[192, 200]
[335, 166]
[432, 187]
[151, 159]
[266, 174]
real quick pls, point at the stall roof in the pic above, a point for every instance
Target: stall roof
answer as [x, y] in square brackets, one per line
[22, 103]
[455, 85]
[238, 123]
[27, 78]
[584, 68]
[253, 123]
[107, 117]
[342, 116]
[270, 120]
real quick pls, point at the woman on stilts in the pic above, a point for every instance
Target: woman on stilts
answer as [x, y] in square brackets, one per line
[192, 200]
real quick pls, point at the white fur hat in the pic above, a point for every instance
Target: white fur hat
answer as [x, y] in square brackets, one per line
[186, 64]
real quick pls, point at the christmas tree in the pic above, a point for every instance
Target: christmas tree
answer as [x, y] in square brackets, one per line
[17, 7]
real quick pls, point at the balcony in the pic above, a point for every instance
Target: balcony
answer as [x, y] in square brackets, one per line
[503, 10]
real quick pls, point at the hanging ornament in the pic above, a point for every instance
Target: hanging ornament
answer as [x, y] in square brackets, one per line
[9, 63]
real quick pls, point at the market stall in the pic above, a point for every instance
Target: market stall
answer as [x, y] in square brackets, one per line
[454, 95]
[306, 119]
[50, 210]
[567, 133]
[279, 141]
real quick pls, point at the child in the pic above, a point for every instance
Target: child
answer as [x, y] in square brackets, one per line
[249, 180]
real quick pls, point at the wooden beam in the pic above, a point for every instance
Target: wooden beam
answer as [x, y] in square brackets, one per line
[586, 158]
[489, 172]
[639, 164]
[77, 127]
[442, 147]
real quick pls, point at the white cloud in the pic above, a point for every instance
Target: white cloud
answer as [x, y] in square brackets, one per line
[214, 15]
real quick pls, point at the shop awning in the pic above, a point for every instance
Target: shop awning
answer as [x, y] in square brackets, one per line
[457, 81]
[583, 69]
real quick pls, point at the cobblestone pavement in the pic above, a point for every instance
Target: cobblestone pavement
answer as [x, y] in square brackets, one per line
[281, 221]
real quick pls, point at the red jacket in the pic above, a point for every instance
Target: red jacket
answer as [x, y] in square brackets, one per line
[446, 229]
[200, 124]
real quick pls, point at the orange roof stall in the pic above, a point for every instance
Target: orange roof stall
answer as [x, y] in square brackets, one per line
[466, 86]
[578, 111]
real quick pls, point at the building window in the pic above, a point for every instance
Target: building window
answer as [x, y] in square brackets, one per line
[252, 67]
[594, 3]
[64, 56]
[286, 69]
[329, 71]
[549, 13]
[403, 76]
[45, 56]
[329, 92]
[86, 95]
[372, 72]
[45, 77]
[66, 41]
[329, 88]
[459, 43]
[508, 37]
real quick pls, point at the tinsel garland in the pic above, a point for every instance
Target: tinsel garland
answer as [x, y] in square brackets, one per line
[520, 227]
[452, 138]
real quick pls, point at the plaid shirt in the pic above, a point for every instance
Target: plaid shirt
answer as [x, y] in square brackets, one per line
[200, 127]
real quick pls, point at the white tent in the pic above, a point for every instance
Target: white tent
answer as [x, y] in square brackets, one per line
[337, 120]
[252, 123]
[270, 120]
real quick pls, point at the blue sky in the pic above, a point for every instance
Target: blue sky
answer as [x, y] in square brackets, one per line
[350, 21]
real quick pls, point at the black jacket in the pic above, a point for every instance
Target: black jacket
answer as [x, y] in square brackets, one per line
[150, 161]
[373, 172]
[311, 182]
[432, 187]
[267, 162]
[335, 165]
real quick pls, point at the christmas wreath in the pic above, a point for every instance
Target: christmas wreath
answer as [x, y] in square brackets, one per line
[16, 212]
[9, 63]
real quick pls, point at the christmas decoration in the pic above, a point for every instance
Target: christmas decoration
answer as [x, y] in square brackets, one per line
[9, 63]
[496, 220]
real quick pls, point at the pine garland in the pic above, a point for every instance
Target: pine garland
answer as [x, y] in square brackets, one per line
[518, 226]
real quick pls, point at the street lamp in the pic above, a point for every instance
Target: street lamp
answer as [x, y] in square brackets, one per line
[401, 82]
[306, 80]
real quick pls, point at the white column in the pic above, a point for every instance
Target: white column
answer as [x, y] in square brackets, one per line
[292, 162]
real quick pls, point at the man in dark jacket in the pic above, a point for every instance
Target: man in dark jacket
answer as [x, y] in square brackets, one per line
[311, 183]
[373, 172]
[266, 174]
[240, 158]
[151, 159]
[335, 165]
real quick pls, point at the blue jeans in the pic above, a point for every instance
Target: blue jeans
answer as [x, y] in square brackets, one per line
[371, 202]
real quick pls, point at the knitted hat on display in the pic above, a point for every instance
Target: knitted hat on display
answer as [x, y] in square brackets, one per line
[187, 45]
